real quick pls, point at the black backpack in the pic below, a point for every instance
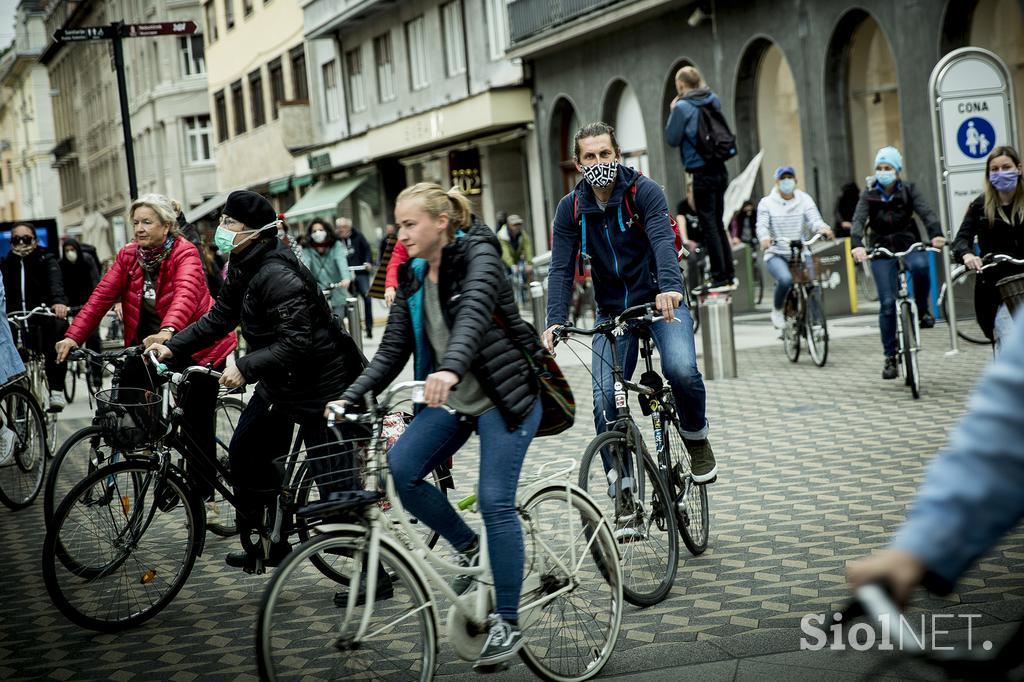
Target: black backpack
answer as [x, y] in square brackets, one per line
[715, 142]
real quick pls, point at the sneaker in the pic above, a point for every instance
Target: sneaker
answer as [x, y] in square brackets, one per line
[57, 402]
[385, 590]
[719, 286]
[703, 467]
[503, 642]
[629, 528]
[891, 368]
[7, 438]
[242, 559]
[927, 320]
[469, 557]
[778, 319]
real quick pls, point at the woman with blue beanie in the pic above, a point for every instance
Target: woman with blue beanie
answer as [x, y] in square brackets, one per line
[885, 215]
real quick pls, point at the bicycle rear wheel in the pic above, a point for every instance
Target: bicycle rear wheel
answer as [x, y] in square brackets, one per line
[121, 545]
[791, 330]
[816, 328]
[639, 511]
[570, 607]
[307, 628]
[690, 499]
[23, 468]
[909, 359]
[967, 327]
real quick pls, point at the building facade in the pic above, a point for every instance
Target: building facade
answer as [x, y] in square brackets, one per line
[817, 85]
[26, 122]
[419, 91]
[258, 93]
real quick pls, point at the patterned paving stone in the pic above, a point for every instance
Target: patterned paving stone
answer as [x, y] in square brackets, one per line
[817, 467]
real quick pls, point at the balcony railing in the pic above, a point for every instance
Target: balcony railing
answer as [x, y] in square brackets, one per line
[529, 17]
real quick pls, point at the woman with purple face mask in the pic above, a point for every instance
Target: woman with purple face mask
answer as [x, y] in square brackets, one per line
[995, 220]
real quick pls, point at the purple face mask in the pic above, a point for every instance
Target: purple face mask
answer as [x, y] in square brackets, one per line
[1004, 181]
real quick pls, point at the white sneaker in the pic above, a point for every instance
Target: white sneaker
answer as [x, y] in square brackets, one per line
[6, 445]
[57, 402]
[778, 319]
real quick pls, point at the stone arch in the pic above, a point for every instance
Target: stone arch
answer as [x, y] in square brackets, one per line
[564, 122]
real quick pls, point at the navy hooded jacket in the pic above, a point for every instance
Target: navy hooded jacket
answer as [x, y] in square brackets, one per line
[630, 263]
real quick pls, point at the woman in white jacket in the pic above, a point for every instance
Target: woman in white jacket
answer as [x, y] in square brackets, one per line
[786, 214]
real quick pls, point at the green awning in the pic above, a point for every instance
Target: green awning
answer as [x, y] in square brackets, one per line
[278, 186]
[302, 180]
[324, 198]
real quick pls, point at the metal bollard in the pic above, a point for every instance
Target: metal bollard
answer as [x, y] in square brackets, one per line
[539, 304]
[717, 336]
[355, 329]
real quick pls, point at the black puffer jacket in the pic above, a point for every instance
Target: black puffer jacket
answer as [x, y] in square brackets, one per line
[300, 358]
[890, 221]
[473, 291]
[43, 282]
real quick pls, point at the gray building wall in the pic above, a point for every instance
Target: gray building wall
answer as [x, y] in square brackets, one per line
[813, 35]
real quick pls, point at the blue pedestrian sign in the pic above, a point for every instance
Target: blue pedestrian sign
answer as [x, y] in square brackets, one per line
[976, 137]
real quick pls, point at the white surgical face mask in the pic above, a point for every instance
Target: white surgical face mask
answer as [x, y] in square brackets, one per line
[319, 236]
[71, 256]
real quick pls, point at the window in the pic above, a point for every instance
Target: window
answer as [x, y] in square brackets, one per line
[238, 104]
[385, 67]
[193, 60]
[220, 109]
[246, 7]
[332, 98]
[197, 139]
[416, 39]
[356, 82]
[211, 20]
[497, 27]
[259, 111]
[454, 41]
[298, 59]
[229, 13]
[276, 74]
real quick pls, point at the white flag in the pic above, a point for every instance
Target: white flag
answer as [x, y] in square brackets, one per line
[740, 188]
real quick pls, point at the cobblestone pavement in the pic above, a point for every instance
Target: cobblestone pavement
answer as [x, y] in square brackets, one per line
[817, 467]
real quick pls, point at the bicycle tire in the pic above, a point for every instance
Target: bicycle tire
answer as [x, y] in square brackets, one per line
[220, 514]
[816, 327]
[22, 475]
[911, 374]
[170, 491]
[791, 330]
[70, 383]
[66, 470]
[692, 513]
[639, 524]
[298, 615]
[758, 266]
[967, 327]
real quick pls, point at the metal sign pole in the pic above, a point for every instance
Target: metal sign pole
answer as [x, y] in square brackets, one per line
[126, 121]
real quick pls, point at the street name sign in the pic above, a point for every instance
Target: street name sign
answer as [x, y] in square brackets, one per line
[162, 28]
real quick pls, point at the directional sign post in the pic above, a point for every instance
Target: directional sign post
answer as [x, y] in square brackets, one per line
[114, 32]
[973, 113]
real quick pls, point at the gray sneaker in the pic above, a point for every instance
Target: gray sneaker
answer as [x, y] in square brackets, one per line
[703, 466]
[471, 557]
[503, 642]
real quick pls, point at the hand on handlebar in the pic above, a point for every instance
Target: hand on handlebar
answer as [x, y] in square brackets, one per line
[438, 386]
[938, 242]
[65, 346]
[162, 352]
[860, 254]
[232, 378]
[667, 302]
[900, 569]
[334, 408]
[972, 262]
[61, 311]
[826, 232]
[548, 338]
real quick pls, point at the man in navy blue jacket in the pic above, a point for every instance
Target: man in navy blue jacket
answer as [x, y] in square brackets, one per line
[710, 178]
[631, 262]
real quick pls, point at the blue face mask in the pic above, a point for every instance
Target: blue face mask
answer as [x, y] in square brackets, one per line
[787, 185]
[885, 178]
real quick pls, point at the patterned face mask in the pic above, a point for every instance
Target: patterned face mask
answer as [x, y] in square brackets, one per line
[600, 175]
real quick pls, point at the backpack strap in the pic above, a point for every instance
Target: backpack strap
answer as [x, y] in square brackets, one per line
[582, 221]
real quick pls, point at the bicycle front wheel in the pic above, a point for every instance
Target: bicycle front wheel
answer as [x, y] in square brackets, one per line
[962, 291]
[23, 467]
[220, 514]
[308, 629]
[791, 330]
[121, 545]
[816, 328]
[70, 383]
[631, 493]
[911, 375]
[570, 606]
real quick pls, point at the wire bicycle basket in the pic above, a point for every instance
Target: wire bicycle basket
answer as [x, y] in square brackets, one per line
[130, 416]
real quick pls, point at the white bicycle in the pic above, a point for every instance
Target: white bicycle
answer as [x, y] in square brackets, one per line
[387, 627]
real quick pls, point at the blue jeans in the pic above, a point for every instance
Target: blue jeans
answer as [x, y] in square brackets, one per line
[674, 341]
[433, 437]
[10, 362]
[885, 273]
[1003, 325]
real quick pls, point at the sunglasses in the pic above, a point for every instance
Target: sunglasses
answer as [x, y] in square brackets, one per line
[21, 240]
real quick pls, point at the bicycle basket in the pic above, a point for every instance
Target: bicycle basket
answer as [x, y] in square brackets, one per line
[131, 416]
[331, 479]
[800, 273]
[1012, 291]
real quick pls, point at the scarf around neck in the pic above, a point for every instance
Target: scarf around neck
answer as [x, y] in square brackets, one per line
[150, 259]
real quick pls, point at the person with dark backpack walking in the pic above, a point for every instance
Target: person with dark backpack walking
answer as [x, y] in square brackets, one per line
[696, 125]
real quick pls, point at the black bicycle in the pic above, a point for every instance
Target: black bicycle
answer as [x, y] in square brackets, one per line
[22, 446]
[804, 309]
[645, 501]
[962, 282]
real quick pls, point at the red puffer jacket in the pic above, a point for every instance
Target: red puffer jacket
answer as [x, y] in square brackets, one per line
[181, 297]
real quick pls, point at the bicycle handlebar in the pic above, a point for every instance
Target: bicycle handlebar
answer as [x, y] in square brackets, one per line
[385, 402]
[990, 261]
[22, 315]
[882, 252]
[645, 312]
[178, 377]
[83, 353]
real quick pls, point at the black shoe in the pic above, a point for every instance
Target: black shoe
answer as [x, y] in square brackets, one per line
[385, 590]
[927, 320]
[242, 559]
[722, 285]
[891, 369]
[503, 642]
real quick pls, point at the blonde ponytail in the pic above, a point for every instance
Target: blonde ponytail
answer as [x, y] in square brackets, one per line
[436, 201]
